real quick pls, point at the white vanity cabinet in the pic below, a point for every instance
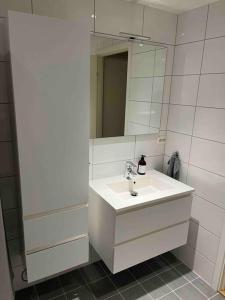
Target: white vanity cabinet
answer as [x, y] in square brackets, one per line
[50, 72]
[131, 231]
[115, 16]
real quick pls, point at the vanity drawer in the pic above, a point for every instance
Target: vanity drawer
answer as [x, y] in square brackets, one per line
[141, 249]
[57, 259]
[144, 221]
[52, 229]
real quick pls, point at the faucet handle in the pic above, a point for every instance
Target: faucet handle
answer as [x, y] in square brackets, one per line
[130, 163]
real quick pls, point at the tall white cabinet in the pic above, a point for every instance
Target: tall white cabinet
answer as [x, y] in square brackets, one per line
[50, 72]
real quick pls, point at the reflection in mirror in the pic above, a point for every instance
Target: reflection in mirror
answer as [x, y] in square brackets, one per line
[127, 83]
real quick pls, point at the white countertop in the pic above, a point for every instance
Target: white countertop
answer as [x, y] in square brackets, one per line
[120, 204]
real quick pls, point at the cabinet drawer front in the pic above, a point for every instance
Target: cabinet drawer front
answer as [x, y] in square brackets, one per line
[51, 230]
[149, 219]
[57, 259]
[149, 246]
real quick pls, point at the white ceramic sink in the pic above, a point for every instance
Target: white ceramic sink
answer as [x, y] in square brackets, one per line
[154, 186]
[148, 182]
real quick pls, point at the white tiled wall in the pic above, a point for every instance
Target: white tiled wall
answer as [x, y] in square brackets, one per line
[196, 128]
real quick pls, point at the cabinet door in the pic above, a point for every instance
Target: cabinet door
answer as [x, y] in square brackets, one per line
[115, 16]
[50, 70]
[66, 9]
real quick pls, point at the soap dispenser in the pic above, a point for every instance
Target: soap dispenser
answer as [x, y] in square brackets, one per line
[142, 166]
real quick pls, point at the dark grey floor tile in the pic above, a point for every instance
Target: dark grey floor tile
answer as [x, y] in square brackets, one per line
[169, 258]
[28, 294]
[105, 268]
[155, 287]
[72, 280]
[184, 270]
[103, 288]
[158, 265]
[60, 298]
[173, 279]
[123, 280]
[204, 288]
[93, 272]
[171, 296]
[142, 271]
[83, 293]
[115, 297]
[189, 292]
[136, 292]
[217, 297]
[49, 289]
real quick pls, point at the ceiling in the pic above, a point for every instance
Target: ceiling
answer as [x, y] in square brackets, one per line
[176, 6]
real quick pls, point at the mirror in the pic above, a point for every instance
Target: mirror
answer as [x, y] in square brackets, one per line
[127, 83]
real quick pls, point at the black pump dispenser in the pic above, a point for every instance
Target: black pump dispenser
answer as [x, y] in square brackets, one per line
[142, 166]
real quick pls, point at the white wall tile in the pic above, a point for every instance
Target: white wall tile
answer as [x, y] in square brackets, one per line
[208, 215]
[194, 260]
[184, 90]
[159, 25]
[181, 119]
[208, 155]
[216, 20]
[214, 59]
[4, 47]
[178, 142]
[155, 118]
[147, 145]
[191, 25]
[164, 116]
[155, 162]
[210, 124]
[140, 89]
[113, 149]
[157, 93]
[169, 60]
[167, 86]
[187, 59]
[22, 5]
[207, 185]
[8, 193]
[108, 169]
[138, 112]
[204, 241]
[91, 142]
[142, 64]
[212, 90]
[160, 62]
[137, 129]
[5, 122]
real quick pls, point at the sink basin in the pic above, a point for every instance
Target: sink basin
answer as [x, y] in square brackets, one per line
[148, 182]
[154, 187]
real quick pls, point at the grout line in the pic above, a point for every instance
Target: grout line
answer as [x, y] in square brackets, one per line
[190, 105]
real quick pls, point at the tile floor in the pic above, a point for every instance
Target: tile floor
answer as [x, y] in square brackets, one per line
[163, 278]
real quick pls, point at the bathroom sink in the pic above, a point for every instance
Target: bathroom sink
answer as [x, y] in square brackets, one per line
[154, 187]
[142, 185]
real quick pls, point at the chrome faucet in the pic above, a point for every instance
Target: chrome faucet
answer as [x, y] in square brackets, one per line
[130, 175]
